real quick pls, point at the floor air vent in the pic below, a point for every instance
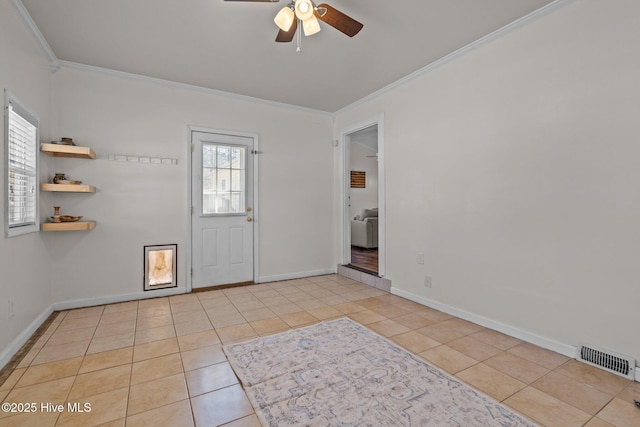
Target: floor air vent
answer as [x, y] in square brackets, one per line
[612, 362]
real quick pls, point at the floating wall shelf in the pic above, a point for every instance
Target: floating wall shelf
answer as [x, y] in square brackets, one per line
[68, 226]
[68, 188]
[59, 150]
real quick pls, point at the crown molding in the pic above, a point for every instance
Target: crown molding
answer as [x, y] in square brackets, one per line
[24, 14]
[544, 10]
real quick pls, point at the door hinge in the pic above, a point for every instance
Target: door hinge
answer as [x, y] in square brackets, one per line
[191, 210]
[192, 148]
[192, 271]
[256, 152]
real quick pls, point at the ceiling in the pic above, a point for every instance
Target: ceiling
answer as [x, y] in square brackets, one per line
[229, 46]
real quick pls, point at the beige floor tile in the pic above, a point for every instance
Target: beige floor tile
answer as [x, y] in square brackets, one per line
[406, 304]
[602, 380]
[155, 334]
[414, 341]
[54, 392]
[440, 333]
[193, 327]
[210, 378]
[154, 321]
[155, 349]
[162, 310]
[221, 406]
[541, 356]
[105, 407]
[333, 299]
[259, 314]
[412, 321]
[120, 328]
[158, 367]
[198, 340]
[310, 304]
[269, 326]
[349, 307]
[433, 314]
[580, 395]
[324, 313]
[38, 419]
[391, 311]
[118, 317]
[188, 306]
[227, 320]
[153, 303]
[473, 348]
[111, 342]
[120, 307]
[176, 414]
[201, 357]
[491, 381]
[448, 359]
[287, 308]
[298, 319]
[107, 359]
[250, 421]
[546, 409]
[620, 413]
[496, 339]
[190, 316]
[82, 313]
[50, 371]
[52, 353]
[13, 378]
[236, 333]
[153, 394]
[98, 382]
[71, 335]
[519, 368]
[249, 305]
[630, 393]
[78, 323]
[388, 328]
[462, 326]
[597, 422]
[367, 316]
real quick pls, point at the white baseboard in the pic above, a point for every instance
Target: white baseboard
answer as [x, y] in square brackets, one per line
[17, 343]
[291, 276]
[544, 342]
[637, 374]
[67, 305]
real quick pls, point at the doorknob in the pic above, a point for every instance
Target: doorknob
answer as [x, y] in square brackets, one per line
[249, 209]
[249, 219]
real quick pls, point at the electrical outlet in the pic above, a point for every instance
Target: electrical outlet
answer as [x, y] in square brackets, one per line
[427, 281]
[420, 258]
[12, 307]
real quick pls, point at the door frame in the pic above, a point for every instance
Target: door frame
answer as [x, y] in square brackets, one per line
[345, 229]
[254, 202]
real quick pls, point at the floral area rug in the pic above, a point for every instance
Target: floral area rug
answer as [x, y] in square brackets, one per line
[339, 373]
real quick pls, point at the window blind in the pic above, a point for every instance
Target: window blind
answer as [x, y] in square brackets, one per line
[22, 169]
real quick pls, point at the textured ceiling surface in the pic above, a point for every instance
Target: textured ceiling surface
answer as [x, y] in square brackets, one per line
[229, 46]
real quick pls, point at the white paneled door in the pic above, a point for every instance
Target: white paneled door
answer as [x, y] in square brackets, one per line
[222, 219]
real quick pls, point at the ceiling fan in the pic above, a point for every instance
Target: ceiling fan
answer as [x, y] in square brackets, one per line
[308, 13]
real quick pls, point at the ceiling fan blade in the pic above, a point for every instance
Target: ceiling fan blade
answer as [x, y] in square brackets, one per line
[339, 20]
[287, 36]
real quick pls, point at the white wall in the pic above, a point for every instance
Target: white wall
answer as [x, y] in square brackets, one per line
[521, 161]
[361, 160]
[141, 204]
[24, 260]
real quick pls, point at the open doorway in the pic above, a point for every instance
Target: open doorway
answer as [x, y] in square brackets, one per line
[363, 199]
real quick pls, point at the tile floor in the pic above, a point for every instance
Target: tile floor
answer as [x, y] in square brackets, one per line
[160, 362]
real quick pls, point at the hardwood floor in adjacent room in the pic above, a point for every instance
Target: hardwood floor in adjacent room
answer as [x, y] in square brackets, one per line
[366, 259]
[159, 362]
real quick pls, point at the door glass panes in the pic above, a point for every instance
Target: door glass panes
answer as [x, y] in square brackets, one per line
[223, 179]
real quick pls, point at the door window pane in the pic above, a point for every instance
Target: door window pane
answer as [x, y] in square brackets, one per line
[223, 179]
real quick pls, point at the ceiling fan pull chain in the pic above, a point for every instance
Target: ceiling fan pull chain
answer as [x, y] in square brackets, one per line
[299, 37]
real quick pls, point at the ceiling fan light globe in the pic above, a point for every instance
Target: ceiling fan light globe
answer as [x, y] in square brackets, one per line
[284, 18]
[304, 9]
[311, 26]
